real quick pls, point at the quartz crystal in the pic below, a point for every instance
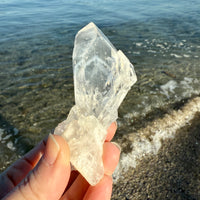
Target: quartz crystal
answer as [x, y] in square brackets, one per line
[102, 78]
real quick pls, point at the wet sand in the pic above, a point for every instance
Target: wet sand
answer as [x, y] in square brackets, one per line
[173, 173]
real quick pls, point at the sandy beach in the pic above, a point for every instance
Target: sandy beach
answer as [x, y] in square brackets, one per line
[173, 173]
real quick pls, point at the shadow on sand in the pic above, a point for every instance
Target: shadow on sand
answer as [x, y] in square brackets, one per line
[173, 173]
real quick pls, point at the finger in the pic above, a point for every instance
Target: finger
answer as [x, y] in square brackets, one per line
[77, 189]
[50, 177]
[74, 174]
[111, 155]
[111, 131]
[17, 171]
[102, 190]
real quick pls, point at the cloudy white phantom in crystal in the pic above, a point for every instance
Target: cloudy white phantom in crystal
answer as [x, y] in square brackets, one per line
[102, 78]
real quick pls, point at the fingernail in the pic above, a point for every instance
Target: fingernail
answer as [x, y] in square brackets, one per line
[117, 145]
[52, 150]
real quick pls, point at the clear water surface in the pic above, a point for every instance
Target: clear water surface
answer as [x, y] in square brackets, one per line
[161, 38]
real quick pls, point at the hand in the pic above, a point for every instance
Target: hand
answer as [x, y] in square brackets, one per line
[45, 173]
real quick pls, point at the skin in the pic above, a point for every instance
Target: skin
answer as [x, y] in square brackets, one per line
[45, 173]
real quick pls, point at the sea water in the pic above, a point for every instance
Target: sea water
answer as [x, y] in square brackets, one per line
[161, 39]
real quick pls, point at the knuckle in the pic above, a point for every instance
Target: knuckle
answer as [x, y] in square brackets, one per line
[29, 188]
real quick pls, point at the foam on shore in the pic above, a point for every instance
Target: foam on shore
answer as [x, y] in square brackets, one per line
[149, 140]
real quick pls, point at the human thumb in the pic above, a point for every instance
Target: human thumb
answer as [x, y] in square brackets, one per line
[49, 178]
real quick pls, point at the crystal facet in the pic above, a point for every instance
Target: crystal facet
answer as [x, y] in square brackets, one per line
[102, 78]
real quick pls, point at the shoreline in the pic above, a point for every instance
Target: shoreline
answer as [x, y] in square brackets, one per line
[171, 172]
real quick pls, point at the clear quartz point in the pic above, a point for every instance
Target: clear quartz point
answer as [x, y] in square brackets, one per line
[102, 78]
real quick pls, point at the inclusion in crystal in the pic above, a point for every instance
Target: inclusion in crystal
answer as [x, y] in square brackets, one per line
[102, 78]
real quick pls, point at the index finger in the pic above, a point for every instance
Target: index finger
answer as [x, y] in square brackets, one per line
[111, 131]
[18, 170]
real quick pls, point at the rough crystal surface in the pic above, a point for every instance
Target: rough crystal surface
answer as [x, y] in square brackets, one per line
[102, 78]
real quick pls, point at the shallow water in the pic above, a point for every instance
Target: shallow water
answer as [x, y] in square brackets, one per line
[161, 39]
